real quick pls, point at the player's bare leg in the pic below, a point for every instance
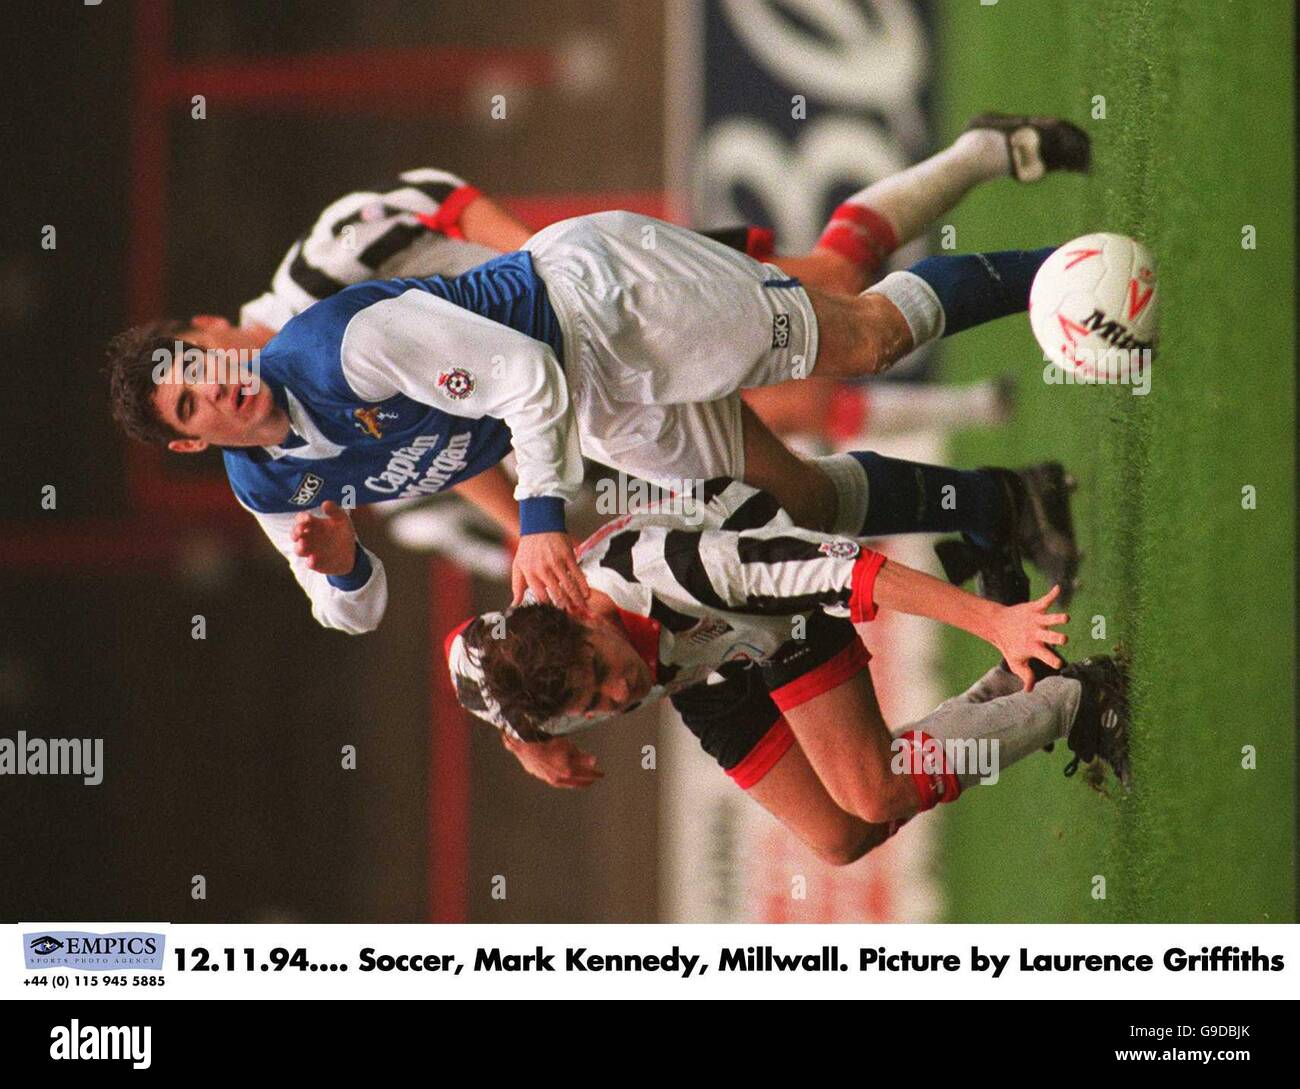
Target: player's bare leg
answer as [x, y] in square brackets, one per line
[855, 754]
[794, 408]
[806, 493]
[871, 224]
[844, 735]
[829, 271]
[793, 793]
[832, 494]
[864, 335]
[859, 335]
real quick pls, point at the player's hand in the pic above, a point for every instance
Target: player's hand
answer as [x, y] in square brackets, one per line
[545, 564]
[327, 541]
[1025, 632]
[558, 762]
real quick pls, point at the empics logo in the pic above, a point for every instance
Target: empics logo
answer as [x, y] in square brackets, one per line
[121, 951]
[112, 1043]
[45, 945]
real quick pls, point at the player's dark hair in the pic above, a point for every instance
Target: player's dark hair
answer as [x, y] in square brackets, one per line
[526, 668]
[131, 363]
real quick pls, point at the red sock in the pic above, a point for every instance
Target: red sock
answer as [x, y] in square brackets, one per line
[847, 417]
[931, 787]
[860, 235]
[760, 243]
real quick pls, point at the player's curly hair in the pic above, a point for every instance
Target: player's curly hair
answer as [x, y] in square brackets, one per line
[527, 668]
[131, 362]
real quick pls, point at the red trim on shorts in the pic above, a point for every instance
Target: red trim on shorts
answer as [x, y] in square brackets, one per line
[762, 757]
[859, 234]
[862, 599]
[931, 789]
[830, 674]
[846, 416]
[446, 219]
[643, 633]
[760, 243]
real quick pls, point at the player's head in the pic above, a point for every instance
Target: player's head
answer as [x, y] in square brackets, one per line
[189, 385]
[536, 665]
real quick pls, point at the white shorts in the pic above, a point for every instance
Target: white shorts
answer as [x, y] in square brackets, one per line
[662, 329]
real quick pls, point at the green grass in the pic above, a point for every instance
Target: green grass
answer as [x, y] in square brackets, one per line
[1196, 143]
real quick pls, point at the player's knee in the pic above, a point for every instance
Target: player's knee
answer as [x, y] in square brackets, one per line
[846, 848]
[877, 810]
[883, 335]
[890, 799]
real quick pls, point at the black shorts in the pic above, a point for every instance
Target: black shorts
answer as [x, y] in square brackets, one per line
[740, 720]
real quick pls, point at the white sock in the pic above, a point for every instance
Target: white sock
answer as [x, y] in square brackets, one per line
[894, 407]
[914, 199]
[995, 708]
[916, 301]
[850, 480]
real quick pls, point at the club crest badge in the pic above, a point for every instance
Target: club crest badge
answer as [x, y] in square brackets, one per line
[371, 420]
[839, 549]
[456, 383]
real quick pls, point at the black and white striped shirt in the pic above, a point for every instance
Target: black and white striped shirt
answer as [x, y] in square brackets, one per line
[373, 235]
[717, 582]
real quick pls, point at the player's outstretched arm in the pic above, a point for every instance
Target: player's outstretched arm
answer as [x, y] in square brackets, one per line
[325, 542]
[1023, 633]
[499, 373]
[557, 761]
[783, 571]
[487, 223]
[493, 492]
[346, 583]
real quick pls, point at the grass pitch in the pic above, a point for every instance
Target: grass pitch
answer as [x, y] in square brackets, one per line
[1196, 145]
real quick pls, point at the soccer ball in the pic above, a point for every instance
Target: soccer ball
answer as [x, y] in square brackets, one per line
[1093, 306]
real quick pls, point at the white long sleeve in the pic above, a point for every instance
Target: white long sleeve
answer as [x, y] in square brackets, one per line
[351, 611]
[440, 354]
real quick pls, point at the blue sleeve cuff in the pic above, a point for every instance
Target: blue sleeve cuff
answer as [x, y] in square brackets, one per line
[358, 576]
[544, 514]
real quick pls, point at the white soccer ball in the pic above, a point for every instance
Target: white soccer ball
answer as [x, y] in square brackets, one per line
[1093, 304]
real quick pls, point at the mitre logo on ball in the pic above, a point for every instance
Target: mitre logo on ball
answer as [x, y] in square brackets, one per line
[1093, 306]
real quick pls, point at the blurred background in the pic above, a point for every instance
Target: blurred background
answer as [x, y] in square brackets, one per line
[127, 197]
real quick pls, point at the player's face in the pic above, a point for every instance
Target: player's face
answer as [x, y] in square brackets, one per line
[610, 676]
[211, 404]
